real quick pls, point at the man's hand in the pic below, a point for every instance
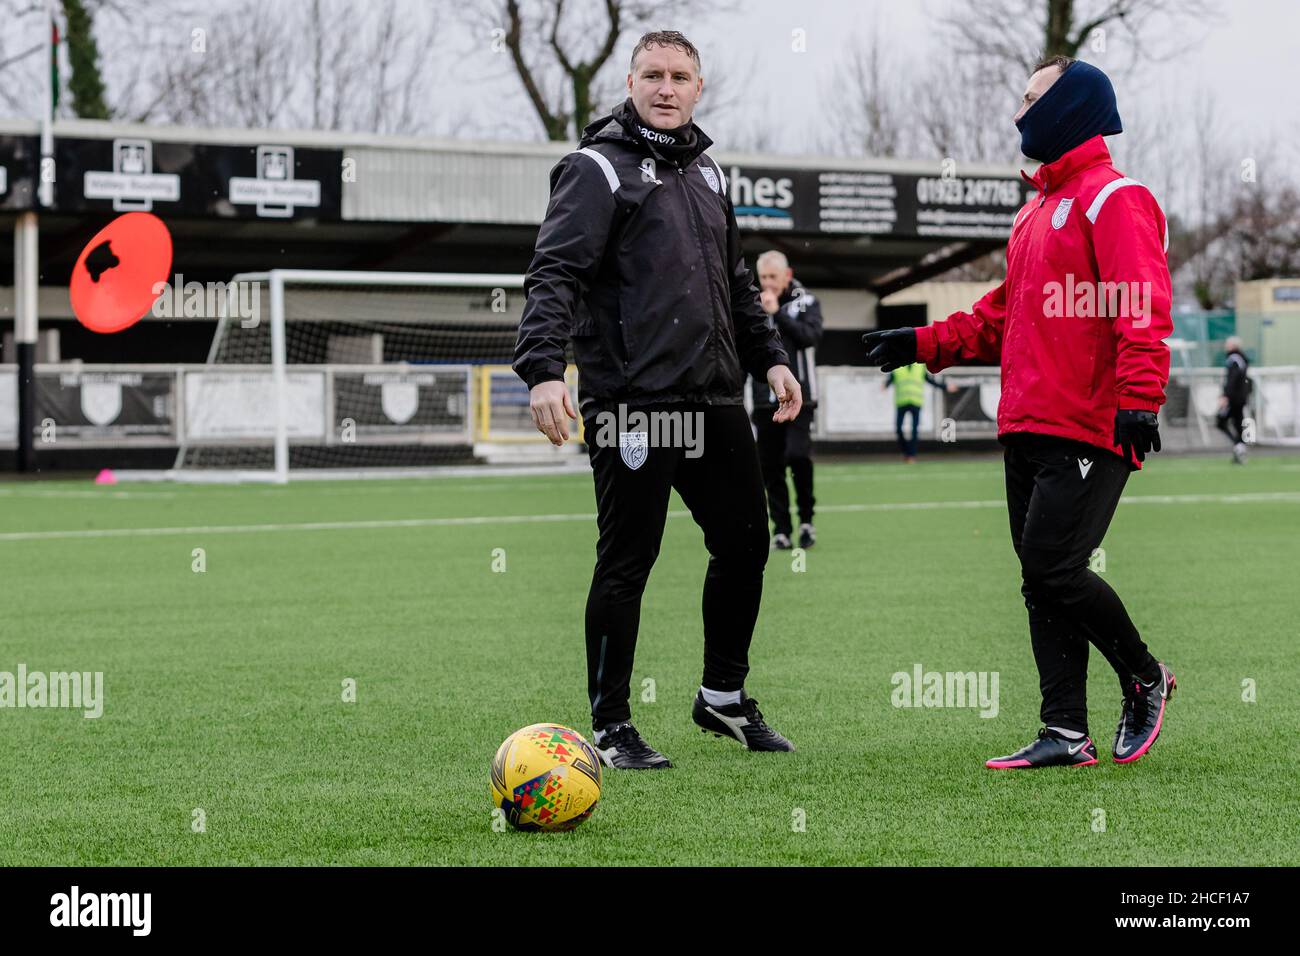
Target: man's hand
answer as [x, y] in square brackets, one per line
[549, 403]
[891, 349]
[1136, 433]
[770, 302]
[788, 394]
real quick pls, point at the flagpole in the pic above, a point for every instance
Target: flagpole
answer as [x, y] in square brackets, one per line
[46, 188]
[27, 264]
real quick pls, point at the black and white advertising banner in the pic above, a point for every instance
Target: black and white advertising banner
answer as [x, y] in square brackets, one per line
[388, 405]
[195, 179]
[79, 407]
[223, 406]
[879, 203]
[20, 161]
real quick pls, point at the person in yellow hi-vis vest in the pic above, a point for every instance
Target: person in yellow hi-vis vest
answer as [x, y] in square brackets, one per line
[909, 394]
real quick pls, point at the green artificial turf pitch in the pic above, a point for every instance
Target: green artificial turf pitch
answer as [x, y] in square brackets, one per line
[223, 689]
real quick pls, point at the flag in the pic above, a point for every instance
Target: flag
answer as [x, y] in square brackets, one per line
[54, 65]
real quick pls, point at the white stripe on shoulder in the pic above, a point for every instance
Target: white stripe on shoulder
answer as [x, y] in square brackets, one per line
[605, 165]
[1095, 209]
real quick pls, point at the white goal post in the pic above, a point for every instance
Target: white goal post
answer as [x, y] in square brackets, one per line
[347, 374]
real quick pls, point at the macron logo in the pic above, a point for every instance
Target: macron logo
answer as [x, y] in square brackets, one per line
[1085, 466]
[102, 909]
[656, 137]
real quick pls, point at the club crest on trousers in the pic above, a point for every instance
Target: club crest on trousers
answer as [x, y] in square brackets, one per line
[634, 448]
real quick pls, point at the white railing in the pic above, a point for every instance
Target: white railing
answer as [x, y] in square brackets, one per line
[853, 407]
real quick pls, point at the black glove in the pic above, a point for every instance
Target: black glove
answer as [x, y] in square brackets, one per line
[891, 349]
[1136, 432]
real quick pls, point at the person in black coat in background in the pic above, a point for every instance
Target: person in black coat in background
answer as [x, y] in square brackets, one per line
[797, 315]
[1232, 403]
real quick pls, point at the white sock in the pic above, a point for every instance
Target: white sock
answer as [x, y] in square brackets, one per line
[720, 698]
[1067, 734]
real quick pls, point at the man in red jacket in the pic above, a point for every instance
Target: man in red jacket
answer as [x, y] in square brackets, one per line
[1078, 329]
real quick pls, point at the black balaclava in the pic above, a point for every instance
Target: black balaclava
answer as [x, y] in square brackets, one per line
[672, 144]
[1077, 107]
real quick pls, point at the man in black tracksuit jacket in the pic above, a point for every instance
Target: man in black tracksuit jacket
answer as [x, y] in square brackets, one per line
[797, 315]
[638, 263]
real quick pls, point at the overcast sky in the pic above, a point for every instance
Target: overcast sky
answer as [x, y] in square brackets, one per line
[1246, 59]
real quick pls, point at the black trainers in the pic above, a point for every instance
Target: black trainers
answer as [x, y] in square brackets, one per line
[1048, 750]
[742, 721]
[807, 535]
[1142, 716]
[781, 542]
[622, 748]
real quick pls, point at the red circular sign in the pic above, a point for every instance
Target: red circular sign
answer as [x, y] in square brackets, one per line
[115, 281]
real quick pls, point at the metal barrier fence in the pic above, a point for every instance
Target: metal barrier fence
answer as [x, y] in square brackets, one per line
[103, 405]
[856, 406]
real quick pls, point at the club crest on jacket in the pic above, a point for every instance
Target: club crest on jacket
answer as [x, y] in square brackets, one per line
[1062, 213]
[710, 177]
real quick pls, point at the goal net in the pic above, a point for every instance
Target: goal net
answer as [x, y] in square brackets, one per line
[355, 372]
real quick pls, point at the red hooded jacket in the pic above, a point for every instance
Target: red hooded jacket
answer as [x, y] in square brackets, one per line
[1079, 324]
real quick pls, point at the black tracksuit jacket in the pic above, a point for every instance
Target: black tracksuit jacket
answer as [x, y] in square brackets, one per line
[1236, 383]
[638, 262]
[799, 320]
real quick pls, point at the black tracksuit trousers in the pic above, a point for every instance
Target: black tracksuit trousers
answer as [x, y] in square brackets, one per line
[1061, 496]
[1231, 421]
[783, 445]
[723, 490]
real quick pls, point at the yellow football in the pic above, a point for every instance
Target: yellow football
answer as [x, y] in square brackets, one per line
[546, 777]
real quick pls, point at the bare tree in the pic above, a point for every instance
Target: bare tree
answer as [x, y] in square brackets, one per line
[960, 112]
[1011, 36]
[960, 105]
[727, 109]
[298, 69]
[22, 44]
[873, 124]
[1209, 176]
[1264, 239]
[562, 52]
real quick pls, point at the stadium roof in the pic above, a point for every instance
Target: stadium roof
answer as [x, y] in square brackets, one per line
[426, 204]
